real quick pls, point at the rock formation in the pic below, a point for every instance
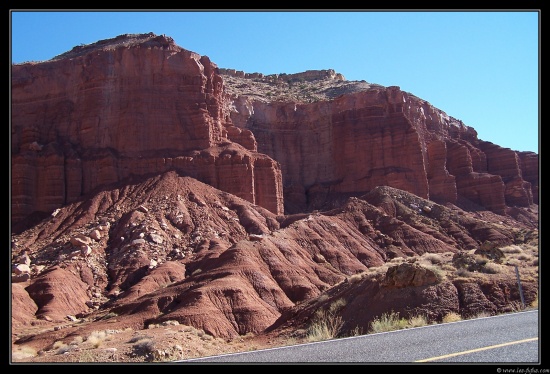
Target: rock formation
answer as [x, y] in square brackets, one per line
[151, 185]
[139, 104]
[135, 104]
[168, 247]
[382, 136]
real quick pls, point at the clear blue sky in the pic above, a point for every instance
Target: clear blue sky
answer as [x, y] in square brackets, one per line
[482, 67]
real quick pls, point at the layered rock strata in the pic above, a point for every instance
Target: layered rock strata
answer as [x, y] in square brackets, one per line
[135, 104]
[140, 104]
[374, 135]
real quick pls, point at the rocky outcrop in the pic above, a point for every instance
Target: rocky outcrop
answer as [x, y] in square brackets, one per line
[308, 75]
[168, 247]
[135, 104]
[140, 104]
[382, 136]
[529, 162]
[58, 293]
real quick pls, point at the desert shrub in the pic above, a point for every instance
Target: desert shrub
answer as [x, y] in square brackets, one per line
[188, 329]
[463, 272]
[524, 257]
[447, 267]
[516, 306]
[77, 340]
[144, 346]
[137, 338]
[90, 356]
[392, 321]
[336, 306]
[109, 315]
[483, 314]
[535, 303]
[326, 323]
[434, 258]
[440, 274]
[451, 317]
[398, 260]
[417, 321]
[325, 326]
[513, 262]
[355, 278]
[388, 322]
[481, 260]
[356, 331]
[323, 297]
[97, 338]
[492, 268]
[57, 344]
[511, 249]
[170, 323]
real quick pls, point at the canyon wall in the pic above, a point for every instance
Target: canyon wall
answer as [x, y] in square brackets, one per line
[384, 136]
[139, 104]
[135, 104]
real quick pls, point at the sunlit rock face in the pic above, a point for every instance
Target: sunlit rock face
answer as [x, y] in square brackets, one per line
[135, 104]
[383, 136]
[140, 104]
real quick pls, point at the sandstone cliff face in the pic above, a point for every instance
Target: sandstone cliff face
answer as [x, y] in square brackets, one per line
[135, 104]
[139, 104]
[383, 136]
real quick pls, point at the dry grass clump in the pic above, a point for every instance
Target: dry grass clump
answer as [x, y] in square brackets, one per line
[77, 340]
[451, 317]
[137, 338]
[97, 338]
[324, 297]
[392, 321]
[492, 268]
[418, 321]
[510, 249]
[525, 257]
[327, 324]
[448, 267]
[143, 346]
[440, 274]
[337, 305]
[513, 262]
[355, 278]
[464, 273]
[535, 303]
[433, 258]
[193, 330]
[57, 344]
[483, 314]
[61, 347]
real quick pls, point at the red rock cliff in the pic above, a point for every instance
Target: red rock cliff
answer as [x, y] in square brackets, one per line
[383, 136]
[140, 104]
[134, 104]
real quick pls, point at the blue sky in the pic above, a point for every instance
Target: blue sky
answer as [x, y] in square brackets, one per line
[482, 67]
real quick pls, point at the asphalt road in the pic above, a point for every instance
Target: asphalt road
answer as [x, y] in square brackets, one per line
[507, 338]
